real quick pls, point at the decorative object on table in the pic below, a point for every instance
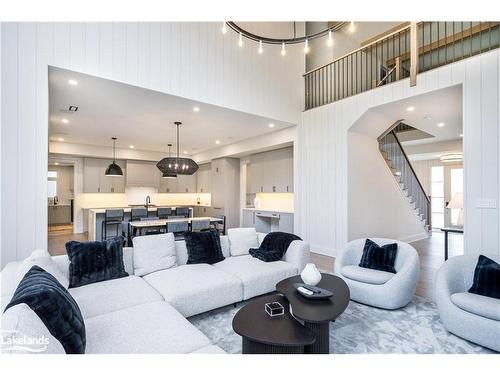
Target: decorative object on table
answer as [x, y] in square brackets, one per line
[274, 246]
[54, 306]
[174, 166]
[274, 309]
[94, 261]
[114, 169]
[381, 258]
[256, 202]
[312, 292]
[310, 274]
[203, 247]
[457, 203]
[486, 280]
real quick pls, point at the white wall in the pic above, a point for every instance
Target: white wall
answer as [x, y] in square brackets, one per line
[322, 190]
[376, 205]
[192, 60]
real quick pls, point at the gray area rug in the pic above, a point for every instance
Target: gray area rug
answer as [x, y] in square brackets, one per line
[415, 329]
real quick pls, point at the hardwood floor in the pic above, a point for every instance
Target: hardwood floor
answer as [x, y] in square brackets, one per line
[60, 234]
[431, 254]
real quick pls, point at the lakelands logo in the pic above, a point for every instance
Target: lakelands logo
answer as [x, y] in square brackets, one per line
[15, 343]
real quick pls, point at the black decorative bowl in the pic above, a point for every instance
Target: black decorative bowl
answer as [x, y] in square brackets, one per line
[316, 293]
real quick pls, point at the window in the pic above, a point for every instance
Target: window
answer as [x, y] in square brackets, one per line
[51, 184]
[457, 186]
[437, 196]
[52, 174]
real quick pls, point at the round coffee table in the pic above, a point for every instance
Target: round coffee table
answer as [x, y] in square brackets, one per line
[317, 314]
[262, 334]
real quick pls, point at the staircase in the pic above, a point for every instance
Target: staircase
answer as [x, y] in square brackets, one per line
[403, 172]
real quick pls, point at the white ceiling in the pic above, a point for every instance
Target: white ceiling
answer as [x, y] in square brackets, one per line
[142, 118]
[430, 109]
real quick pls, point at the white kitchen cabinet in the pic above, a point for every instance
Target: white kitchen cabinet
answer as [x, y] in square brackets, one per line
[286, 223]
[225, 189]
[167, 185]
[59, 214]
[95, 179]
[203, 178]
[248, 219]
[186, 183]
[271, 172]
[142, 174]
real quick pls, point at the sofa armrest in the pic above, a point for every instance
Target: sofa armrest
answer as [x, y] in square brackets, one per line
[298, 254]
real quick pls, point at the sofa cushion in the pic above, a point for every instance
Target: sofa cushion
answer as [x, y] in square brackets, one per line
[377, 257]
[487, 307]
[91, 262]
[54, 306]
[23, 332]
[154, 253]
[203, 247]
[42, 259]
[112, 295]
[150, 328]
[196, 288]
[366, 275]
[486, 278]
[258, 277]
[241, 240]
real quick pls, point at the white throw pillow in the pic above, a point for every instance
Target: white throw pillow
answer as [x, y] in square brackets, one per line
[42, 259]
[23, 332]
[241, 240]
[153, 253]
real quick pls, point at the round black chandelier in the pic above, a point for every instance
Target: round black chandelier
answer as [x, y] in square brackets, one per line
[171, 167]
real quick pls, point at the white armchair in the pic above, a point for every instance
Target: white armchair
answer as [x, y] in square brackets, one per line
[379, 288]
[471, 316]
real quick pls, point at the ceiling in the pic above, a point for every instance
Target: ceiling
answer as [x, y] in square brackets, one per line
[430, 110]
[142, 118]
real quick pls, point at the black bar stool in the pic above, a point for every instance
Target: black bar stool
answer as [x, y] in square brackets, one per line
[164, 212]
[182, 211]
[112, 217]
[136, 214]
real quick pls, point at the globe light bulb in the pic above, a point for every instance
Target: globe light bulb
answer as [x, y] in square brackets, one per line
[261, 50]
[283, 51]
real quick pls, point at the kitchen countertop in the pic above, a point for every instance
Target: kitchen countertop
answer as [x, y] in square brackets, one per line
[268, 210]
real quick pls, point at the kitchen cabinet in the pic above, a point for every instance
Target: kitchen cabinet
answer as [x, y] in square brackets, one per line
[225, 189]
[203, 178]
[167, 185]
[286, 223]
[271, 172]
[248, 219]
[181, 184]
[142, 174]
[95, 179]
[59, 214]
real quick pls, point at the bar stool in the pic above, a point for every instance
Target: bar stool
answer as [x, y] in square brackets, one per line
[199, 225]
[112, 217]
[178, 228]
[164, 212]
[136, 214]
[221, 227]
[182, 211]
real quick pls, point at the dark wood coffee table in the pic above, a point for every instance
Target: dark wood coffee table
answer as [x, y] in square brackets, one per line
[262, 334]
[317, 314]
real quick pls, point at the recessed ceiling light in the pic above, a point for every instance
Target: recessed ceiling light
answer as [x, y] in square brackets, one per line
[410, 109]
[73, 82]
[64, 120]
[427, 117]
[271, 125]
[185, 152]
[56, 163]
[196, 109]
[462, 135]
[60, 139]
[441, 124]
[217, 142]
[131, 146]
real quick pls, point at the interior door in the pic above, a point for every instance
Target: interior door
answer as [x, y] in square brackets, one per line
[453, 183]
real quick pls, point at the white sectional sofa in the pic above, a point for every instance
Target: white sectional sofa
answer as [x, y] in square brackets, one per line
[147, 314]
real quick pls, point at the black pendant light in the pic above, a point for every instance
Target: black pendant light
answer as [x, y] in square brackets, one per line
[169, 175]
[114, 169]
[170, 166]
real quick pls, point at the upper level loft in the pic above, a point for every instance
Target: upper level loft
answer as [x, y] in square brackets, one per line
[399, 53]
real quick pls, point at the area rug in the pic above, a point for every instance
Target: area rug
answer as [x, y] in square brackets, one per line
[361, 329]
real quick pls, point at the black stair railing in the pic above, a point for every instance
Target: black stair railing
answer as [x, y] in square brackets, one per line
[403, 172]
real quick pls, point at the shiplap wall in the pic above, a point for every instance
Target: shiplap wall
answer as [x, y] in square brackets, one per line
[321, 205]
[193, 60]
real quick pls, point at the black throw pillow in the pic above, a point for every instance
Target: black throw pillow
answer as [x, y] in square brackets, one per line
[54, 306]
[486, 278]
[203, 247]
[91, 262]
[377, 257]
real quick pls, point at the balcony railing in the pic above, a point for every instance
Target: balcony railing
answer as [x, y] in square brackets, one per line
[388, 59]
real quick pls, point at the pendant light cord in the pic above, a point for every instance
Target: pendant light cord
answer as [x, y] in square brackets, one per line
[177, 142]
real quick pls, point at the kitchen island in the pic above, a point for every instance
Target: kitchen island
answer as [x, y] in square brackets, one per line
[268, 220]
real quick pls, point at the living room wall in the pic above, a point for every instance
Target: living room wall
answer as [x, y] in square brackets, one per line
[193, 60]
[322, 192]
